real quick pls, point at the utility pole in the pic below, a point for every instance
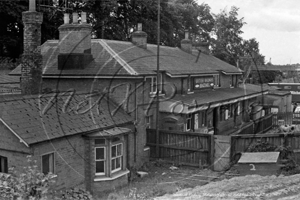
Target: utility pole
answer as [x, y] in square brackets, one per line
[157, 79]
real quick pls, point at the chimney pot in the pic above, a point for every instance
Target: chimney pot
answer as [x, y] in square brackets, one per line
[186, 43]
[32, 5]
[83, 17]
[75, 18]
[66, 18]
[186, 34]
[140, 27]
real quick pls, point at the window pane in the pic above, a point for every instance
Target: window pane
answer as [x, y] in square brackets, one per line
[118, 162]
[113, 151]
[100, 153]
[113, 164]
[99, 166]
[119, 149]
[3, 164]
[45, 164]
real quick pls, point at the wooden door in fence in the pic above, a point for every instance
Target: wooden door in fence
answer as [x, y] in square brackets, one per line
[222, 152]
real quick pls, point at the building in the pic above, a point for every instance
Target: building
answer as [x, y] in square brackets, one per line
[84, 138]
[197, 91]
[79, 137]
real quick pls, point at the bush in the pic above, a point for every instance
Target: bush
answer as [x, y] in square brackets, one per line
[30, 185]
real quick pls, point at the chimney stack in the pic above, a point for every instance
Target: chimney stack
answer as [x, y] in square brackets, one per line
[74, 43]
[31, 67]
[186, 43]
[203, 47]
[139, 37]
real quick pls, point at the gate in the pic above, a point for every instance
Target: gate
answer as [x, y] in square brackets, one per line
[222, 145]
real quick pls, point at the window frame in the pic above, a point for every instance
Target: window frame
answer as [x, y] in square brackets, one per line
[154, 84]
[53, 162]
[148, 121]
[188, 122]
[100, 160]
[116, 157]
[108, 159]
[216, 80]
[3, 164]
[190, 87]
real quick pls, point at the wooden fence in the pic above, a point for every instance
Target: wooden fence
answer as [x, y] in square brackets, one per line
[241, 143]
[263, 124]
[192, 149]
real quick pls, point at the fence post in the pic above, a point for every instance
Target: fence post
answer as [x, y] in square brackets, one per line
[211, 151]
[157, 144]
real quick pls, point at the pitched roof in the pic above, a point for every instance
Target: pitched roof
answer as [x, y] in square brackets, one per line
[113, 57]
[45, 117]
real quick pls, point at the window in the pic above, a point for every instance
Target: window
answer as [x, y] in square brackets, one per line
[108, 156]
[216, 81]
[100, 157]
[3, 164]
[149, 120]
[196, 121]
[48, 163]
[203, 82]
[232, 81]
[188, 125]
[116, 157]
[154, 84]
[189, 85]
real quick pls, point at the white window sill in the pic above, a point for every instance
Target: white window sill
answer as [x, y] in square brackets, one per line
[113, 177]
[146, 148]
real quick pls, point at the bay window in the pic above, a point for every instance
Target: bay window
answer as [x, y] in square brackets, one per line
[108, 154]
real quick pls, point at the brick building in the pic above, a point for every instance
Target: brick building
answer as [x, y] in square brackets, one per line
[83, 139]
[198, 92]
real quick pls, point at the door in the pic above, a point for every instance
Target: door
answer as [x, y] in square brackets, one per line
[222, 152]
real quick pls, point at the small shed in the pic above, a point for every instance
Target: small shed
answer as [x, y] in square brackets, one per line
[261, 163]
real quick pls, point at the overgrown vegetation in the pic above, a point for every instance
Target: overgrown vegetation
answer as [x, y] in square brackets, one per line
[31, 184]
[286, 156]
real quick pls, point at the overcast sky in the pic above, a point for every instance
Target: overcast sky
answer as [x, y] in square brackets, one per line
[275, 24]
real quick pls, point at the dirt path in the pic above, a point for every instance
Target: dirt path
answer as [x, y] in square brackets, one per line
[246, 187]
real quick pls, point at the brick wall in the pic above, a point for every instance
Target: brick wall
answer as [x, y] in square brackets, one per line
[12, 148]
[69, 160]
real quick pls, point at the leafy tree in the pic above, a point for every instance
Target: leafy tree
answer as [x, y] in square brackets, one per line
[227, 40]
[11, 28]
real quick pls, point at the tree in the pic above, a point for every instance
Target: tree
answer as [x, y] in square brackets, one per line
[227, 40]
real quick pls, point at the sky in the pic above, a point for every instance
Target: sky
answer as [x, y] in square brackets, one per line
[275, 24]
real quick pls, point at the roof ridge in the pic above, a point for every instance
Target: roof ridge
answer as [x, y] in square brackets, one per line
[115, 55]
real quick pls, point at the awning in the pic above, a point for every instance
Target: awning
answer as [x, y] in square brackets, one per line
[190, 103]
